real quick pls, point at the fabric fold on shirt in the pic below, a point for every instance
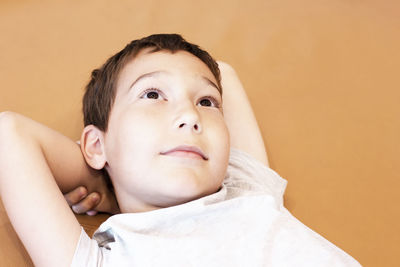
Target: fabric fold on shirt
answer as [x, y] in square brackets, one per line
[243, 224]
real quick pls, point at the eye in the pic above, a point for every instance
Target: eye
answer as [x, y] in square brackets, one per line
[209, 101]
[205, 102]
[152, 93]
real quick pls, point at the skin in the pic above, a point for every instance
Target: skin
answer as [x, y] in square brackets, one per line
[38, 164]
[164, 101]
[237, 112]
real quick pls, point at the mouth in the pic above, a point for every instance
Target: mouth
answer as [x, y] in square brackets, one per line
[185, 151]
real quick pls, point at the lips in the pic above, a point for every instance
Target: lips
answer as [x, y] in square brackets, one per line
[185, 151]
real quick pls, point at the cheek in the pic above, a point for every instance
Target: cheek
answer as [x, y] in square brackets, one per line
[131, 137]
[220, 145]
[220, 133]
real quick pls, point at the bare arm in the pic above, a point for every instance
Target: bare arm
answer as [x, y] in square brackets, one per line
[239, 116]
[35, 163]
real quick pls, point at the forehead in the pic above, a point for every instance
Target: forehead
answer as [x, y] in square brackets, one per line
[180, 63]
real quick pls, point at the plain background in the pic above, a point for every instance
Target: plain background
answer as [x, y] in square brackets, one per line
[323, 78]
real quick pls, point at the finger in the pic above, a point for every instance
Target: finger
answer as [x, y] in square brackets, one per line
[75, 195]
[87, 204]
[91, 212]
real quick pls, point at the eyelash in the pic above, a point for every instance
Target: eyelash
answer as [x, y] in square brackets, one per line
[152, 90]
[211, 98]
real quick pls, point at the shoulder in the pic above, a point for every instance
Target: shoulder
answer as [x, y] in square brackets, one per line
[88, 252]
[250, 175]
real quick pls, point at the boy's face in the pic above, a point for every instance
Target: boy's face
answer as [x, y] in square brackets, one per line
[167, 142]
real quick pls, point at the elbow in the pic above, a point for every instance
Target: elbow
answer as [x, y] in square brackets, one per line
[8, 124]
[7, 118]
[6, 115]
[225, 67]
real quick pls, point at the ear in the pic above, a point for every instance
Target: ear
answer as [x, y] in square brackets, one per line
[92, 146]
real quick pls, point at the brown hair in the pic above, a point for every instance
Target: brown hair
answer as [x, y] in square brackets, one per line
[101, 89]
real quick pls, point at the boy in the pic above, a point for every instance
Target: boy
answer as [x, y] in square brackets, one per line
[155, 123]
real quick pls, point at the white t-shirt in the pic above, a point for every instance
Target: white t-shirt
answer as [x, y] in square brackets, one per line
[243, 224]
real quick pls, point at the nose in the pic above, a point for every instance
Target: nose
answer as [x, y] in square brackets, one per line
[188, 119]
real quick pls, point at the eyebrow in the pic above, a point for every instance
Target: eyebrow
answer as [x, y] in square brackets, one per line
[157, 73]
[147, 75]
[211, 83]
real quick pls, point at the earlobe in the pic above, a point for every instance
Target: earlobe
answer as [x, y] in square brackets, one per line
[92, 146]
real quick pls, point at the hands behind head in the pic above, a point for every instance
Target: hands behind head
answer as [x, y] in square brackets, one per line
[82, 201]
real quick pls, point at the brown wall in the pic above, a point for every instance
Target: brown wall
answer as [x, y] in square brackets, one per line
[323, 78]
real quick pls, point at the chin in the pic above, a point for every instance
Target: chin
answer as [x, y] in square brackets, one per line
[187, 188]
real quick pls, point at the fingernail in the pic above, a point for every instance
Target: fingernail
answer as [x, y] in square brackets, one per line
[91, 212]
[75, 208]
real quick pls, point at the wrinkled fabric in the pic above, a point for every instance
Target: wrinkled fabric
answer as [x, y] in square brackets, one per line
[243, 224]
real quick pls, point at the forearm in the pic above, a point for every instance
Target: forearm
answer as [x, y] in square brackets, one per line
[31, 196]
[62, 155]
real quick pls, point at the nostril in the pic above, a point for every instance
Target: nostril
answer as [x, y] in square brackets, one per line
[196, 127]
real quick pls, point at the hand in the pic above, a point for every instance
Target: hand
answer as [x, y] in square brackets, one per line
[81, 201]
